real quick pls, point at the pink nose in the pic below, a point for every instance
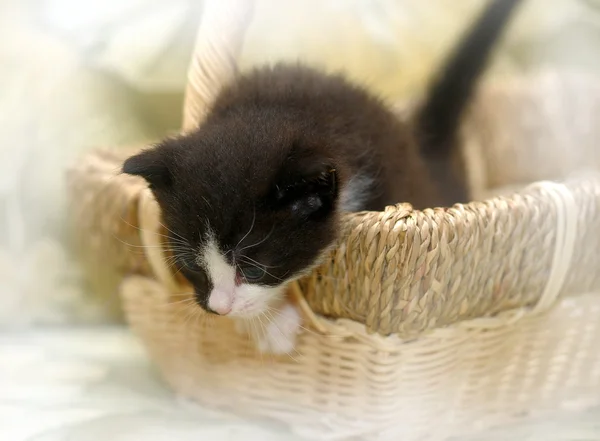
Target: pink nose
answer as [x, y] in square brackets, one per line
[220, 302]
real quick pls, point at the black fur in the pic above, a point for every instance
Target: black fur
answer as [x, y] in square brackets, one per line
[265, 172]
[437, 121]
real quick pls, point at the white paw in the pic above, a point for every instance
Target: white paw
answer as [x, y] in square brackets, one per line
[279, 335]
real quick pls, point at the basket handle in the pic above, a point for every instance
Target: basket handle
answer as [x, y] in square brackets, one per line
[214, 63]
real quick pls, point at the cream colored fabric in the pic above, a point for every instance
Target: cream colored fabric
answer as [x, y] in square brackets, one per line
[445, 320]
[555, 117]
[94, 384]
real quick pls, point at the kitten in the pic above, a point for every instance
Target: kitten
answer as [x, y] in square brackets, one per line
[252, 197]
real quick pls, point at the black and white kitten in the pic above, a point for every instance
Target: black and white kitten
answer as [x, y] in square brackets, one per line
[253, 196]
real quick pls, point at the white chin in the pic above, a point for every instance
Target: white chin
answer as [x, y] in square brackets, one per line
[276, 331]
[255, 300]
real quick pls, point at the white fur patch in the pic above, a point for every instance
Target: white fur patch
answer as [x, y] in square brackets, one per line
[276, 331]
[280, 333]
[244, 300]
[222, 274]
[253, 300]
[355, 193]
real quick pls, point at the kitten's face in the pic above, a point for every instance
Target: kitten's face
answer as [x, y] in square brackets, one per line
[248, 209]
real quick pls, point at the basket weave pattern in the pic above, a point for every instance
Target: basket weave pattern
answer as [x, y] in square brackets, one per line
[470, 316]
[343, 382]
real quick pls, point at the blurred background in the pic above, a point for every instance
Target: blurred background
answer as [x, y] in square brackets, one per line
[75, 75]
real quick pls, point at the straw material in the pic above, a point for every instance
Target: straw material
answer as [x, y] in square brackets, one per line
[342, 382]
[214, 61]
[398, 271]
[467, 317]
[104, 216]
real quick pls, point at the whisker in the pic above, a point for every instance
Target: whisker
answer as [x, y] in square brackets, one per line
[172, 258]
[183, 306]
[257, 266]
[182, 253]
[137, 246]
[178, 304]
[206, 201]
[188, 300]
[179, 250]
[274, 323]
[191, 314]
[182, 311]
[184, 242]
[258, 243]
[278, 314]
[239, 270]
[265, 332]
[256, 337]
[258, 263]
[177, 236]
[198, 319]
[251, 227]
[180, 294]
[178, 270]
[140, 248]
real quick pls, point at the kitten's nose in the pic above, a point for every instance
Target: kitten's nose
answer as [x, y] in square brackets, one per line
[220, 301]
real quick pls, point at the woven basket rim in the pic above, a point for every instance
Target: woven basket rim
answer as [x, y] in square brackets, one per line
[394, 302]
[399, 219]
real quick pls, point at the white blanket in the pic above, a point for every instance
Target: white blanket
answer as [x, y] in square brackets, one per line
[96, 385]
[76, 75]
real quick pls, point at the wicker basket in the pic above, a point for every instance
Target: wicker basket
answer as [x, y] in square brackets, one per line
[422, 325]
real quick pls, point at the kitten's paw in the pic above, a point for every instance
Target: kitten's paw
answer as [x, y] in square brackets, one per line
[280, 334]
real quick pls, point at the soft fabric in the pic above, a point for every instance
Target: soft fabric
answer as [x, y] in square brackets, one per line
[96, 384]
[76, 75]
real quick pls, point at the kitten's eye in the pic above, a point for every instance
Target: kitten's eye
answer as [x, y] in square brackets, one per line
[253, 273]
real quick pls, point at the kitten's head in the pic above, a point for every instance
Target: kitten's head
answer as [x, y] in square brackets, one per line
[248, 206]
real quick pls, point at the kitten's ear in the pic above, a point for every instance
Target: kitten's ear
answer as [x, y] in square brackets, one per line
[310, 195]
[152, 165]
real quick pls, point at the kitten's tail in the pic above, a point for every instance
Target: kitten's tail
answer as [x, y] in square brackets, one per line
[438, 120]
